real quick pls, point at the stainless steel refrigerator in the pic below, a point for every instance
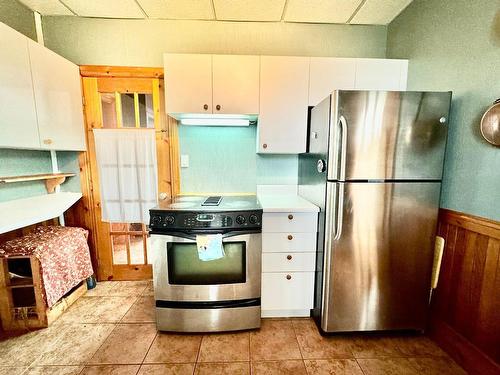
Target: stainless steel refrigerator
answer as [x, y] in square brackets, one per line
[374, 167]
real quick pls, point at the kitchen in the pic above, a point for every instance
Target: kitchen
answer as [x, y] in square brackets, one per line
[157, 64]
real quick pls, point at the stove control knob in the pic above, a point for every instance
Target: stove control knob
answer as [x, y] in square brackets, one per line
[155, 221]
[253, 219]
[240, 219]
[169, 220]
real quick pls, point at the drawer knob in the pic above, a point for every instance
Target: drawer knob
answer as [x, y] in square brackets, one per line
[289, 257]
[264, 145]
[290, 237]
[205, 107]
[288, 277]
[218, 107]
[290, 217]
[47, 141]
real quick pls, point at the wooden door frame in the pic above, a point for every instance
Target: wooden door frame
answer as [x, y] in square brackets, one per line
[88, 211]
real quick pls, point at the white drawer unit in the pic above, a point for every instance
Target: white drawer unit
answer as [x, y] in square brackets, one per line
[299, 222]
[288, 259]
[287, 293]
[288, 242]
[293, 262]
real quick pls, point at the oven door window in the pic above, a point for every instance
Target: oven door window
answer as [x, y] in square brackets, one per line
[185, 268]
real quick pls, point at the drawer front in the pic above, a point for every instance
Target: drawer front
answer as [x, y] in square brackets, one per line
[288, 242]
[293, 262]
[299, 222]
[282, 293]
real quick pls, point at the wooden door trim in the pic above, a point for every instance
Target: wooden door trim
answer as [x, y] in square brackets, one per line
[473, 223]
[120, 71]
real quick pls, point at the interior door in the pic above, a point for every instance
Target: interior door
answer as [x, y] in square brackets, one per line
[378, 255]
[121, 99]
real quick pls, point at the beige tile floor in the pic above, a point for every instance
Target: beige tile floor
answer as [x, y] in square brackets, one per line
[111, 331]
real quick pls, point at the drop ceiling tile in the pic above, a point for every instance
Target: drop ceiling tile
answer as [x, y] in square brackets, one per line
[379, 12]
[105, 8]
[48, 7]
[249, 10]
[320, 11]
[178, 9]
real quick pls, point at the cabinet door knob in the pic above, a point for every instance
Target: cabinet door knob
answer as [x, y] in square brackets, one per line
[290, 217]
[290, 237]
[47, 141]
[288, 277]
[289, 257]
[264, 145]
[205, 107]
[217, 107]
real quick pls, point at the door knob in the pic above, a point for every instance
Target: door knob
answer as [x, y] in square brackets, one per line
[205, 107]
[264, 145]
[218, 107]
[321, 166]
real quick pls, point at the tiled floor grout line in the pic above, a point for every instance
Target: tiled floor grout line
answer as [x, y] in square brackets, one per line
[147, 351]
[298, 344]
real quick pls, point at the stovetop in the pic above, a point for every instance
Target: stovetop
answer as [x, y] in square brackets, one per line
[197, 203]
[214, 213]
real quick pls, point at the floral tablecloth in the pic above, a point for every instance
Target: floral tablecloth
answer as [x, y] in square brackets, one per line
[63, 253]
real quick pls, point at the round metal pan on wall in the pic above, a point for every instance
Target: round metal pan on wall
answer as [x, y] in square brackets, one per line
[490, 124]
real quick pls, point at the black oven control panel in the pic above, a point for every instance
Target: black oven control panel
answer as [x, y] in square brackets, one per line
[184, 220]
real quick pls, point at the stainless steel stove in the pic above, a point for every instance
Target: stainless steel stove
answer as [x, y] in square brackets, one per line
[193, 295]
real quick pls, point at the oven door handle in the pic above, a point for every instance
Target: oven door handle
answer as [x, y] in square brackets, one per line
[192, 235]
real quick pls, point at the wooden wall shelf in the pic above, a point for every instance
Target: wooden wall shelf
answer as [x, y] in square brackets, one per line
[51, 179]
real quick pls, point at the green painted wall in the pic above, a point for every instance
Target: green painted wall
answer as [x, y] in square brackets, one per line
[18, 16]
[213, 151]
[455, 45]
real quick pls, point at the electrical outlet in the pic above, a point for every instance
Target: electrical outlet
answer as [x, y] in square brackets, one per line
[184, 161]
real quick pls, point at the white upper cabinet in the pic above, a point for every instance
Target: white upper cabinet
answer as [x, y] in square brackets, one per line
[18, 127]
[381, 74]
[211, 84]
[58, 98]
[188, 83]
[330, 73]
[284, 87]
[235, 84]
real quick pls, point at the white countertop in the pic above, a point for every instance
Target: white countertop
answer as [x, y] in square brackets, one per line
[20, 213]
[285, 203]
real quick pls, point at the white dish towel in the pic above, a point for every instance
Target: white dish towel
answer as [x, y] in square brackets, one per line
[126, 161]
[210, 247]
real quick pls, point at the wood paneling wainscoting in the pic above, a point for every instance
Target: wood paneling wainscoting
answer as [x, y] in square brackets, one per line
[465, 308]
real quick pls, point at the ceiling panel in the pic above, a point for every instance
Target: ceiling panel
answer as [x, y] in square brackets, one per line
[249, 10]
[48, 7]
[105, 8]
[178, 9]
[379, 12]
[320, 11]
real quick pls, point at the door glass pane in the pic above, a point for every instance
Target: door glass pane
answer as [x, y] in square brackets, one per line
[185, 268]
[136, 249]
[119, 249]
[128, 110]
[146, 111]
[108, 105]
[135, 227]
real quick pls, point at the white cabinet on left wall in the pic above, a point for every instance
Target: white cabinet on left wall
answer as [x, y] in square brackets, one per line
[44, 97]
[18, 127]
[58, 98]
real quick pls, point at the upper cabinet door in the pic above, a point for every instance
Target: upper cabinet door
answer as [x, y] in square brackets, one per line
[235, 84]
[58, 99]
[18, 127]
[284, 86]
[329, 73]
[188, 83]
[381, 74]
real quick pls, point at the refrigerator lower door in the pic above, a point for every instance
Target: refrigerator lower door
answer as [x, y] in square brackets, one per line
[378, 255]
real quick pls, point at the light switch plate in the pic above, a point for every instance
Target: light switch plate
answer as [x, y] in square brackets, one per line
[184, 161]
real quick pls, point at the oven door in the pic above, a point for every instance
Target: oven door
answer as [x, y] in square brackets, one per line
[179, 275]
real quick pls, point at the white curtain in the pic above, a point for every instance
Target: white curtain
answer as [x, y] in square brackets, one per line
[126, 160]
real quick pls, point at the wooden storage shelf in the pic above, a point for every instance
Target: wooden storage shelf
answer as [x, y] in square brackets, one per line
[51, 179]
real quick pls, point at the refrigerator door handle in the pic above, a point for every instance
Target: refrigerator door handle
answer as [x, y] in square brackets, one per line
[339, 210]
[343, 147]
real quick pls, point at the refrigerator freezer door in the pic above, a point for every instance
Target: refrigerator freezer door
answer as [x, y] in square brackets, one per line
[387, 135]
[378, 255]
